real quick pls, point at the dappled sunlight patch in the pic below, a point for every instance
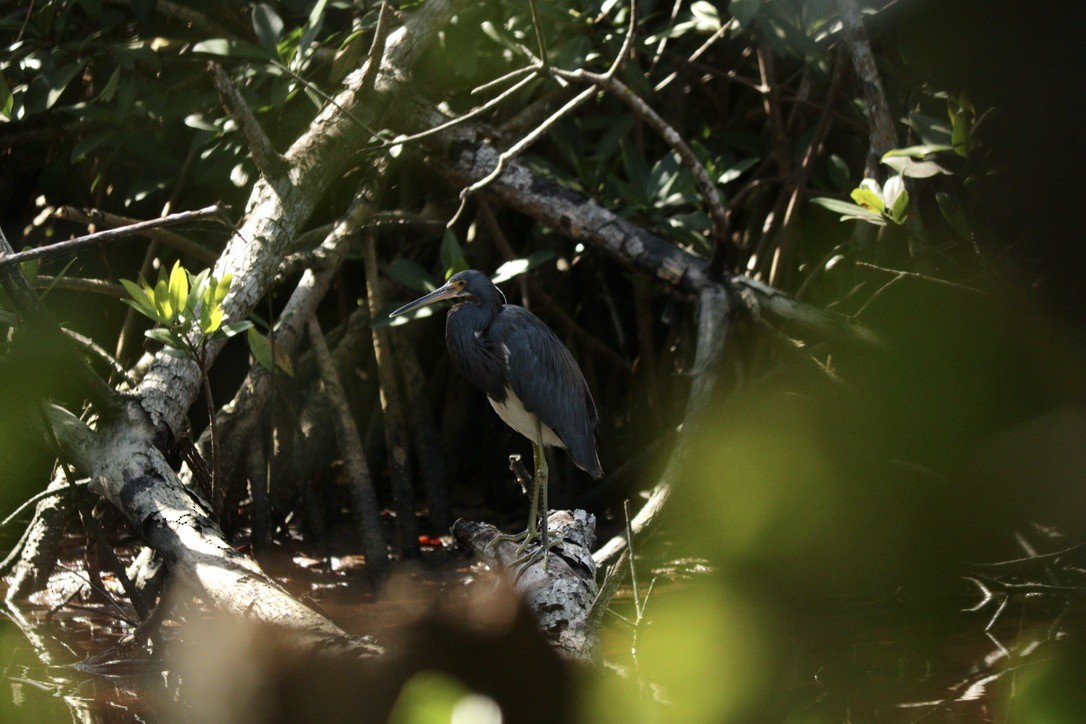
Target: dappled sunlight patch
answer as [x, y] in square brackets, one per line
[702, 655]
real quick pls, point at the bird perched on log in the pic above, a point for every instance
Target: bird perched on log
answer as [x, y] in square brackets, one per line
[530, 378]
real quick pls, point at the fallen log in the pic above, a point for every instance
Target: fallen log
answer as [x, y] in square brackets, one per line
[559, 593]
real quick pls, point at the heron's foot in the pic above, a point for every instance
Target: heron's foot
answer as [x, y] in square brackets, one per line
[525, 561]
[522, 539]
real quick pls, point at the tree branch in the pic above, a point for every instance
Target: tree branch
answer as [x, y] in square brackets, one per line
[267, 159]
[8, 258]
[163, 236]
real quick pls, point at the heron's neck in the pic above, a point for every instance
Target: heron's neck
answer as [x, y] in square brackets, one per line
[474, 316]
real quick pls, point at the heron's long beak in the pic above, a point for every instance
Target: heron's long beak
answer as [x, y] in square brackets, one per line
[444, 292]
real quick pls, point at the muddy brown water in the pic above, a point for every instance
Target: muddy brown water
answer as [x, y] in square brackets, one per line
[862, 664]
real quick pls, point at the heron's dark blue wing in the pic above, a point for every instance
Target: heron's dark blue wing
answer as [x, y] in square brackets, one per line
[546, 378]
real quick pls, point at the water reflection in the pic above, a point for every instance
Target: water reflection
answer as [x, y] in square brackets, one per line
[858, 660]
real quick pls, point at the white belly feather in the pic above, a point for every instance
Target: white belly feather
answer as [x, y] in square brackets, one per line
[514, 415]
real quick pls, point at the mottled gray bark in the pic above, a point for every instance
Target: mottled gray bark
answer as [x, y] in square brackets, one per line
[37, 557]
[560, 595]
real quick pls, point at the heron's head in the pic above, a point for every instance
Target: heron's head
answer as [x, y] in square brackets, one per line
[466, 286]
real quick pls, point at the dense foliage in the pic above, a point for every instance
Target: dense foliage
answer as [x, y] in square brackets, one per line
[824, 472]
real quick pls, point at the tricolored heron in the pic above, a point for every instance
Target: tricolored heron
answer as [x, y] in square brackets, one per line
[531, 379]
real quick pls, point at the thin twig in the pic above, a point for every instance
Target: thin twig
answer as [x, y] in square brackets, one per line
[664, 37]
[633, 569]
[501, 80]
[34, 499]
[165, 237]
[924, 277]
[377, 49]
[713, 202]
[101, 237]
[78, 284]
[474, 112]
[783, 258]
[391, 408]
[363, 495]
[693, 56]
[900, 274]
[771, 101]
[98, 352]
[519, 147]
[1039, 558]
[267, 159]
[538, 25]
[217, 484]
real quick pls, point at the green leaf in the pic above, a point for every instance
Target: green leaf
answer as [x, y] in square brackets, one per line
[7, 318]
[89, 143]
[901, 203]
[222, 288]
[919, 151]
[744, 11]
[309, 31]
[230, 330]
[7, 100]
[179, 287]
[736, 170]
[867, 199]
[211, 318]
[268, 27]
[179, 352]
[516, 267]
[452, 255]
[162, 301]
[141, 301]
[231, 49]
[56, 279]
[408, 274]
[348, 56]
[706, 17]
[849, 211]
[914, 161]
[933, 131]
[954, 214]
[197, 289]
[57, 80]
[961, 132]
[30, 269]
[166, 337]
[282, 361]
[839, 173]
[110, 88]
[260, 349]
[913, 168]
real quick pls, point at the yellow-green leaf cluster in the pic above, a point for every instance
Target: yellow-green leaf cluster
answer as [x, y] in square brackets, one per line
[177, 301]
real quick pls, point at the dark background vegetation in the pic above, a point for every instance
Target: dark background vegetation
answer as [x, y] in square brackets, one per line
[836, 494]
